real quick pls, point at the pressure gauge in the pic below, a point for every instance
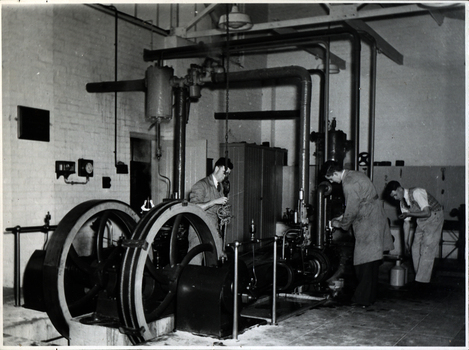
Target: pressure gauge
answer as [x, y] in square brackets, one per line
[85, 167]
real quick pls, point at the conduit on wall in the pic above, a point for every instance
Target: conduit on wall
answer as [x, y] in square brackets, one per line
[121, 168]
[372, 102]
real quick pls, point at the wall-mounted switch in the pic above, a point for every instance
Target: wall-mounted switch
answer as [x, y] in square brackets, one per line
[64, 168]
[106, 182]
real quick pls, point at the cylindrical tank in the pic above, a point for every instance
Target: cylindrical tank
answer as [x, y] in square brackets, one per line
[158, 99]
[336, 146]
[398, 275]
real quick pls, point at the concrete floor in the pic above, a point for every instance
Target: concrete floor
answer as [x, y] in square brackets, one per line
[398, 318]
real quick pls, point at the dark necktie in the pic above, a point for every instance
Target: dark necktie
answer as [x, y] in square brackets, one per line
[219, 187]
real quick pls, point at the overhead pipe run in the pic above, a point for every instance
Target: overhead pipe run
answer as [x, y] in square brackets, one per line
[261, 43]
[209, 74]
[282, 40]
[305, 108]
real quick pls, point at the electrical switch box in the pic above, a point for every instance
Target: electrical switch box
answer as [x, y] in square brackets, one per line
[64, 168]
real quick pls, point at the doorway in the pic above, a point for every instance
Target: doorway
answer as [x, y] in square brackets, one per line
[140, 172]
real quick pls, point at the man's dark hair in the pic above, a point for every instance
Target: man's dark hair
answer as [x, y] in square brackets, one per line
[391, 186]
[331, 167]
[224, 162]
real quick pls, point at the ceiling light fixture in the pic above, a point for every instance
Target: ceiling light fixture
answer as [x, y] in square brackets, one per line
[236, 21]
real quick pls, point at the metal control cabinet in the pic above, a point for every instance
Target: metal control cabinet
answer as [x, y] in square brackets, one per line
[256, 189]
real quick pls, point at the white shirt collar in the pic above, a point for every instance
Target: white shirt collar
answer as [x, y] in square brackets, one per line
[215, 181]
[406, 196]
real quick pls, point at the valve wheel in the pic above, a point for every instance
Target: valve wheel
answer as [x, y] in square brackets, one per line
[364, 159]
[84, 244]
[147, 286]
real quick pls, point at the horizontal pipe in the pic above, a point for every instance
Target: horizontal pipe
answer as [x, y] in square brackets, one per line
[117, 86]
[29, 229]
[259, 115]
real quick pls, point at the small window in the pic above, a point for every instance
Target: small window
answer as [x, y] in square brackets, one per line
[33, 124]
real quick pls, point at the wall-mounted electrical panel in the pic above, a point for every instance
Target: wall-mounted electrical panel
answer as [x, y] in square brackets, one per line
[64, 168]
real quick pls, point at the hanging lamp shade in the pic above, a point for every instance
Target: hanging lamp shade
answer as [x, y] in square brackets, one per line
[236, 21]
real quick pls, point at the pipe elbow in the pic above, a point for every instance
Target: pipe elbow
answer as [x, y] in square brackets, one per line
[324, 188]
[300, 72]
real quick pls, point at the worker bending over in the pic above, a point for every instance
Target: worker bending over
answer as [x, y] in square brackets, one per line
[364, 212]
[418, 203]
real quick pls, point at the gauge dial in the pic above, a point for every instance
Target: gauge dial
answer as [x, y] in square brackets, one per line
[85, 167]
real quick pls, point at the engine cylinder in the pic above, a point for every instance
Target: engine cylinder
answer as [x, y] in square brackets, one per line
[337, 146]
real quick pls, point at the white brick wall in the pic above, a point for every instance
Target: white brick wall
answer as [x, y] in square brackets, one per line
[422, 100]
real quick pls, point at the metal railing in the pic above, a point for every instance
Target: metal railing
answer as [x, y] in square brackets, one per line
[235, 245]
[17, 231]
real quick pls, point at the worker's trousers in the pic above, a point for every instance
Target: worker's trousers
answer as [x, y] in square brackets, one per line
[425, 245]
[367, 288]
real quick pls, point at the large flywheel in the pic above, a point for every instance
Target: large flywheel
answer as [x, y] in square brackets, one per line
[170, 236]
[83, 257]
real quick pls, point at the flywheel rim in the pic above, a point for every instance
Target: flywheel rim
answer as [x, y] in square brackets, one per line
[58, 251]
[135, 258]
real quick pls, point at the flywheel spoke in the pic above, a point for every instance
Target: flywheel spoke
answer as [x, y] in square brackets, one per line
[103, 221]
[173, 251]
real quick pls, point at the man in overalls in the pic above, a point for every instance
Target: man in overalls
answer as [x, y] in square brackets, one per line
[418, 203]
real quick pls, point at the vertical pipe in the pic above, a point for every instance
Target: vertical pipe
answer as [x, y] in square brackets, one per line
[274, 284]
[326, 100]
[371, 143]
[180, 94]
[17, 282]
[115, 79]
[235, 292]
[305, 116]
[321, 218]
[323, 104]
[356, 50]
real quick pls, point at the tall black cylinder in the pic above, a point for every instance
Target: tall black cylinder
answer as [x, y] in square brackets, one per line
[336, 146]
